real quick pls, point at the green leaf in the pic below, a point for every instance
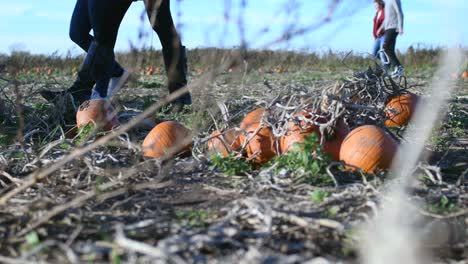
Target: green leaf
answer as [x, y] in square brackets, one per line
[32, 239]
[308, 159]
[333, 211]
[319, 196]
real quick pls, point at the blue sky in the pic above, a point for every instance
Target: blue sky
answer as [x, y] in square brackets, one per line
[41, 26]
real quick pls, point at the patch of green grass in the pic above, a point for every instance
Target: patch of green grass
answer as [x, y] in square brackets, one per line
[308, 161]
[18, 154]
[439, 142]
[4, 140]
[310, 77]
[333, 211]
[53, 134]
[197, 120]
[458, 132]
[194, 119]
[182, 116]
[64, 146]
[148, 101]
[85, 133]
[115, 257]
[230, 165]
[458, 118]
[39, 106]
[351, 241]
[32, 241]
[98, 184]
[196, 218]
[444, 206]
[145, 83]
[318, 196]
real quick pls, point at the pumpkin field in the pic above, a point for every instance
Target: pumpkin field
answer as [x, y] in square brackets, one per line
[282, 158]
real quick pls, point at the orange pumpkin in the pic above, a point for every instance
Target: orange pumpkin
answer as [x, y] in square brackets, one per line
[368, 147]
[252, 119]
[298, 132]
[97, 111]
[332, 145]
[167, 138]
[464, 75]
[400, 110]
[301, 123]
[230, 141]
[262, 146]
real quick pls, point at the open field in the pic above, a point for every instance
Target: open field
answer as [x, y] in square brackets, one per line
[111, 205]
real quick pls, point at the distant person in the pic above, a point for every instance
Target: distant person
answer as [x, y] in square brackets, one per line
[379, 32]
[393, 24]
[99, 68]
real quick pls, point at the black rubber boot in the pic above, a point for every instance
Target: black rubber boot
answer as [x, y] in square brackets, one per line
[79, 92]
[94, 67]
[176, 70]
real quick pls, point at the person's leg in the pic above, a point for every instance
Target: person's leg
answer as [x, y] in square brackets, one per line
[175, 59]
[105, 16]
[80, 25]
[380, 47]
[381, 54]
[376, 48]
[389, 46]
[80, 28]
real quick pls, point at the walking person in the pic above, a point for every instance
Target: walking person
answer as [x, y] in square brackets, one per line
[99, 68]
[174, 53]
[379, 33]
[393, 24]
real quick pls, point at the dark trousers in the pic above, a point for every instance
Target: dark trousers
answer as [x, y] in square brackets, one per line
[389, 46]
[104, 18]
[159, 15]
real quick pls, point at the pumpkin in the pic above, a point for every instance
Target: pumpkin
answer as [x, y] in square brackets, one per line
[298, 132]
[332, 145]
[231, 140]
[368, 147]
[167, 138]
[464, 75]
[97, 111]
[400, 110]
[288, 140]
[261, 146]
[252, 119]
[301, 122]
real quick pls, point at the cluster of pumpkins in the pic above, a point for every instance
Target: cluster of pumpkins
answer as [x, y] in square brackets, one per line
[260, 143]
[366, 147]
